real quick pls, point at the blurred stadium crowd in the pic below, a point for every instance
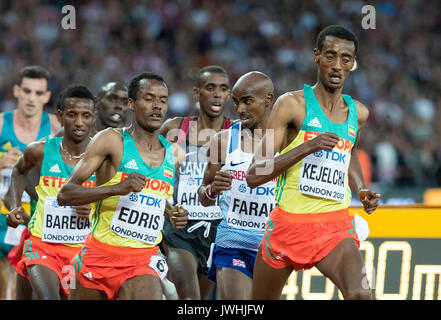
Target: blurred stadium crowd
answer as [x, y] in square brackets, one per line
[398, 76]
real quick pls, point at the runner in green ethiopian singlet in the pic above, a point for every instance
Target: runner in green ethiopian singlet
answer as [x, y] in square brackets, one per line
[135, 170]
[56, 231]
[316, 131]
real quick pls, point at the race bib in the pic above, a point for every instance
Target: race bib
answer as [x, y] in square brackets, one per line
[5, 182]
[189, 199]
[159, 264]
[61, 224]
[323, 174]
[13, 235]
[250, 208]
[139, 217]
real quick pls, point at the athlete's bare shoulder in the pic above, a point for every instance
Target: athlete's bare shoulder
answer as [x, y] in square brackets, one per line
[110, 133]
[170, 124]
[290, 108]
[362, 113]
[34, 151]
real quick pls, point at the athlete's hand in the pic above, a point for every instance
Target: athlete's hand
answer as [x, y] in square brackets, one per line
[10, 159]
[16, 217]
[324, 141]
[133, 183]
[178, 217]
[222, 181]
[83, 211]
[369, 200]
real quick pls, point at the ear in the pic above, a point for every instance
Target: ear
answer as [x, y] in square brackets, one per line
[316, 55]
[355, 65]
[131, 104]
[47, 97]
[60, 116]
[16, 90]
[269, 99]
[196, 92]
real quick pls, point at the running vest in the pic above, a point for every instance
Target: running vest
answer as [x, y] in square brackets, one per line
[51, 222]
[319, 182]
[245, 210]
[188, 179]
[9, 140]
[135, 220]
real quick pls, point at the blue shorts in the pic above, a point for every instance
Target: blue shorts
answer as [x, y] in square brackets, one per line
[239, 259]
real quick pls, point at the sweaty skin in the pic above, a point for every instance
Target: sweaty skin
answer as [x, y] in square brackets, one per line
[344, 264]
[253, 97]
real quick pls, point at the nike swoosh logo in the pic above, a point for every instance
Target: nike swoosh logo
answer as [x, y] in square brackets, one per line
[189, 153]
[236, 164]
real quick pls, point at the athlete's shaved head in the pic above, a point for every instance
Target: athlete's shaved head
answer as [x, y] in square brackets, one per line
[112, 105]
[253, 95]
[255, 83]
[111, 86]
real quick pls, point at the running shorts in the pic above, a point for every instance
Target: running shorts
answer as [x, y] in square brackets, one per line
[239, 259]
[302, 240]
[55, 256]
[197, 241]
[15, 254]
[105, 267]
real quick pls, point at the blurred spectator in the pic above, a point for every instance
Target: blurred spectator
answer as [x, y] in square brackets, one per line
[398, 75]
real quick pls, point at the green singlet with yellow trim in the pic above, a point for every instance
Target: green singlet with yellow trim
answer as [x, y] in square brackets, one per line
[319, 183]
[51, 222]
[135, 220]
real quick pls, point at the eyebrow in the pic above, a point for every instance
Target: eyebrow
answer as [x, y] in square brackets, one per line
[153, 95]
[247, 97]
[216, 84]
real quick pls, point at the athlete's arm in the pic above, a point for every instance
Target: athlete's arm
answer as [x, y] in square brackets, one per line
[368, 198]
[106, 145]
[170, 129]
[287, 111]
[214, 179]
[177, 215]
[32, 157]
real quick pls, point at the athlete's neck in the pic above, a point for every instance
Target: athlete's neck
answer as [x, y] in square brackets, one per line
[75, 148]
[328, 98]
[206, 122]
[207, 126]
[148, 139]
[27, 124]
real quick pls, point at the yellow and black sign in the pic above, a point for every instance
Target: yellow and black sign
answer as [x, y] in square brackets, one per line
[402, 256]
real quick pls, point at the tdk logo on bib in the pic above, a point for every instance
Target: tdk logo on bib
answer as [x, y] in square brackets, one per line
[331, 155]
[55, 204]
[259, 191]
[145, 200]
[242, 188]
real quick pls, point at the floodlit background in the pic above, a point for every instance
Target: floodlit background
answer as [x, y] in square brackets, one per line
[398, 78]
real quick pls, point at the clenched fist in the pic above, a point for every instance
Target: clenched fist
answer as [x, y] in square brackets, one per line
[16, 217]
[324, 141]
[135, 182]
[178, 217]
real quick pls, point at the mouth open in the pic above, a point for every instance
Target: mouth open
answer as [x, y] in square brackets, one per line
[156, 116]
[116, 117]
[78, 132]
[216, 106]
[335, 78]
